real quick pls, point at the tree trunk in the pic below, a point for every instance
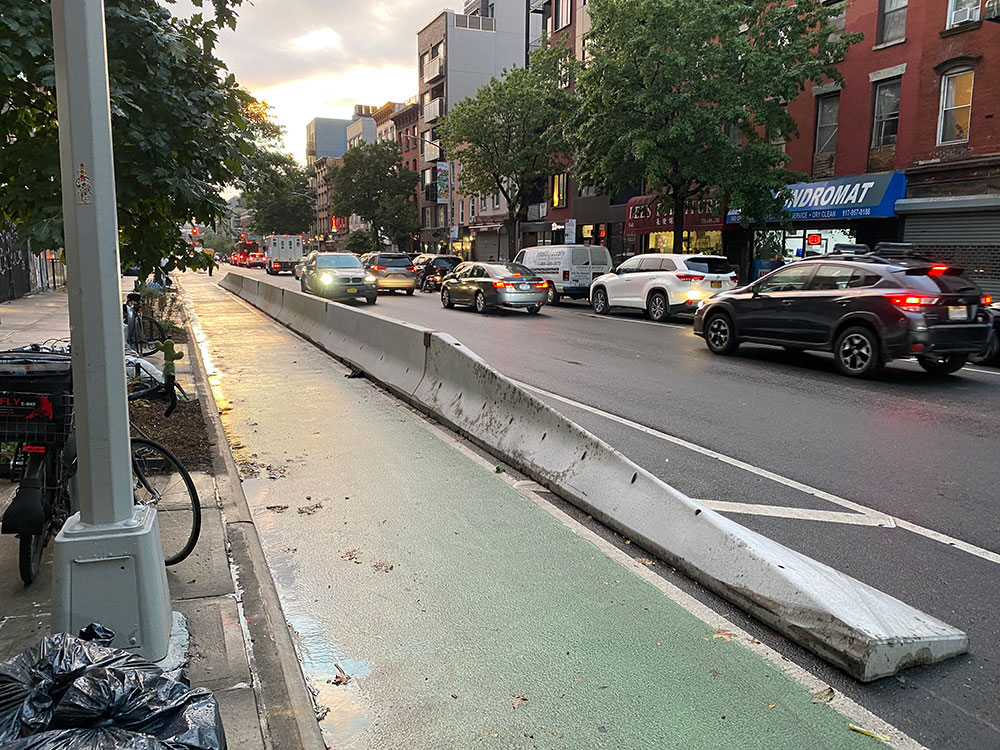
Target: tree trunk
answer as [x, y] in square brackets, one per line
[511, 236]
[679, 201]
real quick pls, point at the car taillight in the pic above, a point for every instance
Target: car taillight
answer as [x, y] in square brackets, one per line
[565, 275]
[912, 302]
[502, 285]
[735, 279]
[378, 268]
[690, 276]
[937, 270]
[411, 268]
[986, 300]
[277, 265]
[542, 285]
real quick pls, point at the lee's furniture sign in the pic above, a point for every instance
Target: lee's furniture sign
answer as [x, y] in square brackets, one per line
[864, 196]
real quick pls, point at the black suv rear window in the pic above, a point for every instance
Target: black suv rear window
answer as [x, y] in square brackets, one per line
[708, 265]
[393, 261]
[446, 262]
[921, 280]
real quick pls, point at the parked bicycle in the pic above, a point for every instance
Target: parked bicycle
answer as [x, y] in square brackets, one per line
[141, 332]
[36, 413]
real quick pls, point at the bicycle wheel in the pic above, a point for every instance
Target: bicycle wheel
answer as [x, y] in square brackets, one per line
[159, 480]
[31, 546]
[152, 332]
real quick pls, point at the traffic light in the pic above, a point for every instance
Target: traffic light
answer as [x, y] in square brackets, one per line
[243, 235]
[194, 230]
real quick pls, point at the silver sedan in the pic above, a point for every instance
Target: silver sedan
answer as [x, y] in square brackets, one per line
[488, 285]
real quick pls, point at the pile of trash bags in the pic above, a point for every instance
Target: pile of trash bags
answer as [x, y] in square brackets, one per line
[69, 693]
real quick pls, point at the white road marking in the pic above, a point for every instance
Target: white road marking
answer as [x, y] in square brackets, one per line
[937, 536]
[804, 514]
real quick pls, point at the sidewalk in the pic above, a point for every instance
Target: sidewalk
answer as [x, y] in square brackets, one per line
[438, 604]
[236, 632]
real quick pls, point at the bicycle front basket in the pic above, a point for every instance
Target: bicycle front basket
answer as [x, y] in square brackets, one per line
[36, 397]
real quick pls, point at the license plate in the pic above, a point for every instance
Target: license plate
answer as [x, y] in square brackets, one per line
[352, 290]
[524, 287]
[958, 312]
[716, 285]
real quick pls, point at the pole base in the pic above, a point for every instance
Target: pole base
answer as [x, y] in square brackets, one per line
[114, 574]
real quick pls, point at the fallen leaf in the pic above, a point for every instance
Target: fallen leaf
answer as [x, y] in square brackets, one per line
[518, 700]
[628, 541]
[557, 735]
[862, 730]
[353, 555]
[342, 677]
[771, 705]
[382, 567]
[529, 736]
[823, 696]
[454, 696]
[308, 510]
[277, 508]
[644, 560]
[726, 635]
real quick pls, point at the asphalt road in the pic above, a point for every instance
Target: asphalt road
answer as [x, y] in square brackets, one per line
[893, 481]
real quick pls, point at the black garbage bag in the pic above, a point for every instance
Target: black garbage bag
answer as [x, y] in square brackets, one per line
[89, 739]
[64, 685]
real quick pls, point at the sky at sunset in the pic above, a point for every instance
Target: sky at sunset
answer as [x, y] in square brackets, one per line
[318, 58]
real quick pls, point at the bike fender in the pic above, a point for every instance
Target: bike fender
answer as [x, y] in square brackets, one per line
[25, 514]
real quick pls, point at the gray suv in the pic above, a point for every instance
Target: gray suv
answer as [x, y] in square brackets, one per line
[392, 271]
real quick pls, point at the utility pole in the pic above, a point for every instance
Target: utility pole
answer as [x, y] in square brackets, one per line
[108, 556]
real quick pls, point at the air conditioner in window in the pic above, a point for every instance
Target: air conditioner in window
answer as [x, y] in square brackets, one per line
[964, 15]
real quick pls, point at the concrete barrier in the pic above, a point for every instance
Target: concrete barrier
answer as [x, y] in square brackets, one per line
[233, 282]
[269, 299]
[864, 631]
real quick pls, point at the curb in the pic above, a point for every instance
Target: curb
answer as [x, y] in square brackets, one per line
[285, 705]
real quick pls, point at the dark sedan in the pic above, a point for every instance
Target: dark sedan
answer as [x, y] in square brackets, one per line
[865, 309]
[488, 285]
[338, 276]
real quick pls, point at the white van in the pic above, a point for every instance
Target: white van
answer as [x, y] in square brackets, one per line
[569, 269]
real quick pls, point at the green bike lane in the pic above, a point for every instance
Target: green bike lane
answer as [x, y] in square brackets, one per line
[435, 605]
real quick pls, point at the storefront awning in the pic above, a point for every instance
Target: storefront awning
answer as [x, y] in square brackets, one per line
[645, 215]
[860, 196]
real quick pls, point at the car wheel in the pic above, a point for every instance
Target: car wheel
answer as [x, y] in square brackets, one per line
[657, 308]
[719, 334]
[446, 298]
[857, 353]
[410, 291]
[553, 294]
[987, 355]
[371, 299]
[480, 302]
[944, 364]
[534, 309]
[600, 302]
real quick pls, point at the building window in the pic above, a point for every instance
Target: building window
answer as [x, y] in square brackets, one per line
[472, 209]
[892, 21]
[482, 203]
[425, 219]
[956, 107]
[827, 108]
[461, 212]
[886, 113]
[436, 50]
[423, 62]
[962, 11]
[559, 190]
[496, 200]
[560, 14]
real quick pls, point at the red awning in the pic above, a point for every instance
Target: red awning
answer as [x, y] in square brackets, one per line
[644, 215]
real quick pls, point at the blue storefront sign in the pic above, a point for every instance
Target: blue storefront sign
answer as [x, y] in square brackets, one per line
[862, 196]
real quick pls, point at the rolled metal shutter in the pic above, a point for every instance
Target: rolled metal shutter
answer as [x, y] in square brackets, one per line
[970, 240]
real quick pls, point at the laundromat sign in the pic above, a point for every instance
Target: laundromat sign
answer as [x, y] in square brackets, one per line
[865, 196]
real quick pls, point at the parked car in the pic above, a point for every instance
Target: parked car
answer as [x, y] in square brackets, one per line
[661, 285]
[392, 271]
[487, 285]
[569, 269]
[431, 270]
[990, 355]
[337, 276]
[867, 309]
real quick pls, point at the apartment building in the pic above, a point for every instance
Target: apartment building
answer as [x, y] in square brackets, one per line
[362, 128]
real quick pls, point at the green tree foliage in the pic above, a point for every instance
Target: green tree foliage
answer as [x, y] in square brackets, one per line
[509, 137]
[279, 195]
[665, 79]
[358, 242]
[182, 127]
[373, 185]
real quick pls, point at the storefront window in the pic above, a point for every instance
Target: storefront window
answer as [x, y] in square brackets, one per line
[708, 242]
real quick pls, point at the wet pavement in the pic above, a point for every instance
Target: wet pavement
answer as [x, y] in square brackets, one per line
[435, 605]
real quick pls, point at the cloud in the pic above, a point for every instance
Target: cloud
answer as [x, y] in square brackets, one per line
[333, 94]
[317, 40]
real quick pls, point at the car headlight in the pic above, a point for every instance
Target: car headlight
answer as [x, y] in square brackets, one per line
[325, 278]
[369, 278]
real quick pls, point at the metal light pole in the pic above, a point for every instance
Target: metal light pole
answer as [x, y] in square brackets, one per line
[108, 557]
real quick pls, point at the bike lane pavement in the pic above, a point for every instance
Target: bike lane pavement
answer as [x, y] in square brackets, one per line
[433, 604]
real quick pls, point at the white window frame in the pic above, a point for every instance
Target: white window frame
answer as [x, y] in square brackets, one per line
[971, 14]
[472, 209]
[945, 79]
[875, 121]
[461, 212]
[883, 13]
[836, 124]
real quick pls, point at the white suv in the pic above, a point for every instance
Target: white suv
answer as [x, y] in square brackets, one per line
[662, 285]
